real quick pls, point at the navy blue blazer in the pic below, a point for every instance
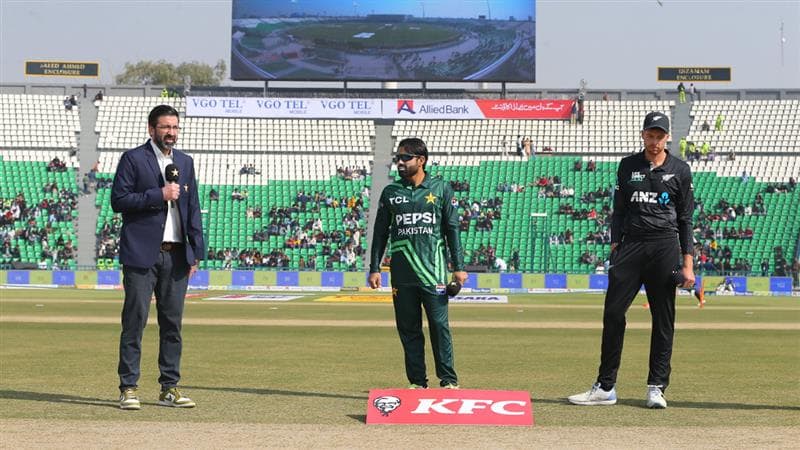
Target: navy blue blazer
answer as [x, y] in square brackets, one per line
[136, 193]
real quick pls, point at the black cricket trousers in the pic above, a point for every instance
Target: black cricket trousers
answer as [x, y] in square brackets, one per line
[634, 263]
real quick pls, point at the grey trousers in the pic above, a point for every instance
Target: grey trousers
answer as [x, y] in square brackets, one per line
[168, 279]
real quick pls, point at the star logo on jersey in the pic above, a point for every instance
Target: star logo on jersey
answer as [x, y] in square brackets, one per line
[175, 173]
[394, 292]
[430, 198]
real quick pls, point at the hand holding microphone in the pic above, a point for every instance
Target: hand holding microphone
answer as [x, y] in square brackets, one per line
[171, 189]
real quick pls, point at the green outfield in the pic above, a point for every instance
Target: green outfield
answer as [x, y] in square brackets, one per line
[735, 363]
[396, 35]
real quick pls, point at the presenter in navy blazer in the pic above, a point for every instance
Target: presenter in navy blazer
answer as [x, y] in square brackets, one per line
[160, 246]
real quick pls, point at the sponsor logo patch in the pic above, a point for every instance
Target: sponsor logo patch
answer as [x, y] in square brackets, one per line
[449, 406]
[256, 297]
[479, 299]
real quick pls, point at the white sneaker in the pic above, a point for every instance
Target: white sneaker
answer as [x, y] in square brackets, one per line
[594, 396]
[128, 399]
[655, 397]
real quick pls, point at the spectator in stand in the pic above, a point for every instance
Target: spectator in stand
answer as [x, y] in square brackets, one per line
[528, 150]
[578, 166]
[591, 166]
[681, 93]
[719, 121]
[514, 261]
[67, 104]
[682, 144]
[213, 195]
[705, 148]
[706, 126]
[692, 91]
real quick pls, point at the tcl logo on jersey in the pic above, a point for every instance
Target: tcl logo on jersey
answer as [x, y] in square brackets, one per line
[398, 200]
[413, 218]
[447, 406]
[644, 197]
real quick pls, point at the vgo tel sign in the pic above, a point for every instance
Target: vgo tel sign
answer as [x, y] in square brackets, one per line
[449, 406]
[282, 107]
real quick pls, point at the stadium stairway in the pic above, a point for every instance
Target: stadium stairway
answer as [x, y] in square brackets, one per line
[382, 164]
[87, 212]
[680, 124]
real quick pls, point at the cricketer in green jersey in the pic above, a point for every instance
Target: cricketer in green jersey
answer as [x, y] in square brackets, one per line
[417, 215]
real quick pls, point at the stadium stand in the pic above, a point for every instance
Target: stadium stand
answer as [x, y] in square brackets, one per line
[258, 170]
[747, 126]
[37, 122]
[540, 214]
[481, 154]
[38, 193]
[608, 127]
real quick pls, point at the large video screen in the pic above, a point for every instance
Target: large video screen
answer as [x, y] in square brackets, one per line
[384, 40]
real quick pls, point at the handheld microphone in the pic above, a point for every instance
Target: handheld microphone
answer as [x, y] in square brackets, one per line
[453, 288]
[171, 174]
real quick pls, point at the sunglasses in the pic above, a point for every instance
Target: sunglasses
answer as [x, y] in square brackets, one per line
[405, 157]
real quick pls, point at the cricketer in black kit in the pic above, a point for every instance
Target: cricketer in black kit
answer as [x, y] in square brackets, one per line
[651, 237]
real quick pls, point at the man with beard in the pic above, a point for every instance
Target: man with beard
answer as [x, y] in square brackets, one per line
[160, 247]
[651, 244]
[417, 214]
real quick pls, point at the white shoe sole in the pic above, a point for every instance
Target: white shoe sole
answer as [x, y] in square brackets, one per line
[594, 403]
[653, 405]
[173, 405]
[130, 407]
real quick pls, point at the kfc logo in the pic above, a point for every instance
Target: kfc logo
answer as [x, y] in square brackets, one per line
[469, 406]
[440, 406]
[386, 404]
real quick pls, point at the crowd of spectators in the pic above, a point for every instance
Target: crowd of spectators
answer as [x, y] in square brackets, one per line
[249, 169]
[234, 258]
[349, 173]
[56, 165]
[781, 188]
[460, 186]
[108, 239]
[483, 212]
[20, 224]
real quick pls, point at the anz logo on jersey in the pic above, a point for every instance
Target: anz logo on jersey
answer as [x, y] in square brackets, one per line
[650, 197]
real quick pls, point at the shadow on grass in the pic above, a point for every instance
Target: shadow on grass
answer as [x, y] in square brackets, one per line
[678, 404]
[56, 398]
[259, 391]
[358, 417]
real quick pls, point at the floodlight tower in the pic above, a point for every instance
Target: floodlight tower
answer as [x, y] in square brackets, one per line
[422, 4]
[355, 8]
[489, 9]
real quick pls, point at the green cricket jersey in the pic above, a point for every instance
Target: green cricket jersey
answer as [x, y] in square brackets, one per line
[419, 221]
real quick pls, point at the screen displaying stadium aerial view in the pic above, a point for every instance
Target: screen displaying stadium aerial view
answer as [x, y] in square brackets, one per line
[384, 40]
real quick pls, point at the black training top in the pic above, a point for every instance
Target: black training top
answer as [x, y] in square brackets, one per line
[652, 204]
